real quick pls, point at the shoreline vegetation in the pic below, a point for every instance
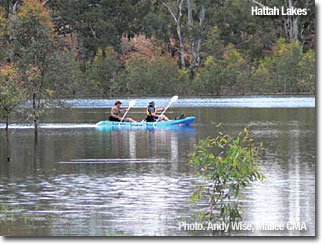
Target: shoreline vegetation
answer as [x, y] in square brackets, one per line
[288, 71]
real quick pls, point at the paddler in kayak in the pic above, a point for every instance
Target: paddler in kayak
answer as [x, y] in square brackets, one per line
[116, 113]
[152, 113]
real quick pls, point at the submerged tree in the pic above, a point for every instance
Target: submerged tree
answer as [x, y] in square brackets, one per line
[34, 47]
[12, 93]
[227, 165]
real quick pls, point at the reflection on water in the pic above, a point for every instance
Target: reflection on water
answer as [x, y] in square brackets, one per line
[84, 181]
[48, 126]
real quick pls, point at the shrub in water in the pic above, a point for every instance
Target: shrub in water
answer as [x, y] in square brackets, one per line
[228, 164]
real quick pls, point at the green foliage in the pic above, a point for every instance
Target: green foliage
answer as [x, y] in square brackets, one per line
[156, 76]
[307, 71]
[213, 45]
[34, 39]
[33, 34]
[3, 35]
[261, 76]
[3, 24]
[155, 24]
[99, 23]
[221, 76]
[12, 89]
[184, 86]
[288, 71]
[250, 34]
[102, 71]
[208, 78]
[228, 164]
[285, 64]
[64, 75]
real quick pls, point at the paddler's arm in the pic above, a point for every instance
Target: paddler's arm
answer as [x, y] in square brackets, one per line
[123, 110]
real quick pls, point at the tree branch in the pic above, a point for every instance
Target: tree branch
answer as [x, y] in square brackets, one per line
[180, 7]
[257, 3]
[15, 7]
[170, 10]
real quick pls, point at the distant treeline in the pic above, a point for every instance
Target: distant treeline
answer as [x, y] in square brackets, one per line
[287, 71]
[74, 48]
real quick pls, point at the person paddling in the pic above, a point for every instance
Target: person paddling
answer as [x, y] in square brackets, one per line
[116, 113]
[152, 113]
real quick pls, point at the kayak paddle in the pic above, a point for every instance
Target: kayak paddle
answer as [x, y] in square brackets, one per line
[131, 104]
[174, 99]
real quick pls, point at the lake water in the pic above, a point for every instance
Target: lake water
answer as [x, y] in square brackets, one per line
[79, 180]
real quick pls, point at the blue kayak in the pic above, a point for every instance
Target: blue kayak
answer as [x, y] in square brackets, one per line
[144, 125]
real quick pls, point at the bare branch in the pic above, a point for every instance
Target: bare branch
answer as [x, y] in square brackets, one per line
[170, 10]
[202, 15]
[15, 7]
[178, 22]
[257, 3]
[180, 9]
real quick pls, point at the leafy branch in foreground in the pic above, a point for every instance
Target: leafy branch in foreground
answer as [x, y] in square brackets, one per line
[227, 165]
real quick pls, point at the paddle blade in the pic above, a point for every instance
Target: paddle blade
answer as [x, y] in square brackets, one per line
[132, 103]
[174, 99]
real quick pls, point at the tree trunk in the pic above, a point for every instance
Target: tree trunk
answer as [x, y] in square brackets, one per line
[181, 45]
[7, 137]
[35, 153]
[291, 24]
[179, 32]
[15, 7]
[195, 42]
[190, 27]
[178, 22]
[35, 115]
[202, 17]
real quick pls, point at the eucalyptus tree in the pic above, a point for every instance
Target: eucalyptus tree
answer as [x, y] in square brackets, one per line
[188, 17]
[12, 87]
[177, 15]
[196, 9]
